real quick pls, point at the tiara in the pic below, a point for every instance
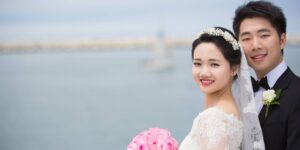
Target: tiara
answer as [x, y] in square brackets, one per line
[227, 36]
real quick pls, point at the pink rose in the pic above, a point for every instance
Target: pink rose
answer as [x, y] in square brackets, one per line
[153, 139]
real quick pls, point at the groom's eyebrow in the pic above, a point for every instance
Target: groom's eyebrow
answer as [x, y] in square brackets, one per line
[244, 34]
[263, 30]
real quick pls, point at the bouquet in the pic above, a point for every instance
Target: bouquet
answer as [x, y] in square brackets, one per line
[153, 139]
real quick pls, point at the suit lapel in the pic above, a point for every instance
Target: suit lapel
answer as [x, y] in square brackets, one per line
[282, 83]
[261, 115]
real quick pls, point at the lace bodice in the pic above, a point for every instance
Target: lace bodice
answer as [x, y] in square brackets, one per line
[213, 129]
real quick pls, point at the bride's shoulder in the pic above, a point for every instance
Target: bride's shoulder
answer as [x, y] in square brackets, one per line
[211, 113]
[212, 110]
[217, 113]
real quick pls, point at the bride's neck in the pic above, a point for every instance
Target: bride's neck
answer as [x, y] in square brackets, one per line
[216, 99]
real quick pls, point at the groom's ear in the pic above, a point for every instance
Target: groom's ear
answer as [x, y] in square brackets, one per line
[282, 40]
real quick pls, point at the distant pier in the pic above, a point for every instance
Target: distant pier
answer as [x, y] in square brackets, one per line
[105, 44]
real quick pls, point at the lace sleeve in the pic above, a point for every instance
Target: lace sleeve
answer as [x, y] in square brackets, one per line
[213, 133]
[214, 130]
[210, 131]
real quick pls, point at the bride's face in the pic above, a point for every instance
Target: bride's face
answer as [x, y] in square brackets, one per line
[211, 71]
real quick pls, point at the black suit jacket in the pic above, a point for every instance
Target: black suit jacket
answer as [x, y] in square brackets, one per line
[281, 128]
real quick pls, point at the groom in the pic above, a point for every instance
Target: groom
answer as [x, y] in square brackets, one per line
[261, 29]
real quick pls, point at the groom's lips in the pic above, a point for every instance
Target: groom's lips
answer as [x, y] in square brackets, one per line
[258, 57]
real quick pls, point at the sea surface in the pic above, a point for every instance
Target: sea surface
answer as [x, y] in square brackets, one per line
[96, 100]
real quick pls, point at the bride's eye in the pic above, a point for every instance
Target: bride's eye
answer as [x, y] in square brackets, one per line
[215, 65]
[197, 64]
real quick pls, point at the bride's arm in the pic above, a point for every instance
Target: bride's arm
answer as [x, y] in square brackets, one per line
[214, 134]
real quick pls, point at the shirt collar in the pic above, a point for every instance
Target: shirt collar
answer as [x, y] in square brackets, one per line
[275, 73]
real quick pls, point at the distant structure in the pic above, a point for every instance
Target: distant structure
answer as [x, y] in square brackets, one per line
[162, 60]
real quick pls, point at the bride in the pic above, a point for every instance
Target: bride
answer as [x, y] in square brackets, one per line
[229, 121]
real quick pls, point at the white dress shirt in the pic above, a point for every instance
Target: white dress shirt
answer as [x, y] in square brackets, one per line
[272, 77]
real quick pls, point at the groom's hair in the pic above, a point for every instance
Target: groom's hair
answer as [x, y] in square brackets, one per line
[262, 9]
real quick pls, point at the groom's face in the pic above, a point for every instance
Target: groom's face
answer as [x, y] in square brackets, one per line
[262, 44]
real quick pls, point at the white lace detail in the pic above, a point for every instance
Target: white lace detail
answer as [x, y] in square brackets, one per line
[214, 129]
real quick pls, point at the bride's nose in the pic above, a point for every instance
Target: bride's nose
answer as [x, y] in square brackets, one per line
[205, 72]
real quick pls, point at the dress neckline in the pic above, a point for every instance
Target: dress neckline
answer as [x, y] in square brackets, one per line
[229, 115]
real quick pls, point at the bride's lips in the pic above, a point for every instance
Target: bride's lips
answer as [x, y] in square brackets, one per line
[206, 82]
[258, 57]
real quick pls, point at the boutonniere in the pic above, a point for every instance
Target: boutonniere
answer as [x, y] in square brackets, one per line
[270, 97]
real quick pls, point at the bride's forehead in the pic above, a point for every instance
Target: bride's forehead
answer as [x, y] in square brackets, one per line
[209, 50]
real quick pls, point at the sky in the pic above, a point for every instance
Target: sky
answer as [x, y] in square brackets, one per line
[38, 20]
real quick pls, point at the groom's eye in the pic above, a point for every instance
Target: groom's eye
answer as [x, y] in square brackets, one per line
[245, 39]
[265, 35]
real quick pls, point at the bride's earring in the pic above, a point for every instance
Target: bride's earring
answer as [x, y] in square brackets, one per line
[235, 71]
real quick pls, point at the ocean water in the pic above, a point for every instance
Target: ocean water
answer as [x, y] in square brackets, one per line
[95, 100]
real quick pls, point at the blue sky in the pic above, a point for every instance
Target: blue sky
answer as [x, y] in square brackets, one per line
[29, 20]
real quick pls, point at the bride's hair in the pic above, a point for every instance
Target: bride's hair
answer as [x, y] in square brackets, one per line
[230, 53]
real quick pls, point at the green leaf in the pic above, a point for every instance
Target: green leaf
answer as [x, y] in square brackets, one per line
[275, 102]
[277, 93]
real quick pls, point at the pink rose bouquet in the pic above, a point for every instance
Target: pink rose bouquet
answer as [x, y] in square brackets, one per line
[153, 139]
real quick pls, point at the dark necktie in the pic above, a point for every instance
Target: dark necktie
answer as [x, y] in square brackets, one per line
[261, 83]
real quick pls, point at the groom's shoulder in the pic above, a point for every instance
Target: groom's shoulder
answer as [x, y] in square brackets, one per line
[296, 78]
[294, 84]
[292, 90]
[290, 75]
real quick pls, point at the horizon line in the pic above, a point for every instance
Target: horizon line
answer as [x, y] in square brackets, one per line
[107, 44]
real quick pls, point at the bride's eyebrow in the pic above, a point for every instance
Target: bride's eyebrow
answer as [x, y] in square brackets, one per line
[197, 59]
[213, 60]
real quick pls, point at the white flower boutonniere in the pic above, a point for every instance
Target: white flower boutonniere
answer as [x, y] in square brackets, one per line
[270, 97]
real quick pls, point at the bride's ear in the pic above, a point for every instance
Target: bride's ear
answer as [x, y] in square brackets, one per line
[235, 70]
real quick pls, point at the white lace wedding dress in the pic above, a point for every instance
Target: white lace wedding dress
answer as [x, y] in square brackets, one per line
[213, 129]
